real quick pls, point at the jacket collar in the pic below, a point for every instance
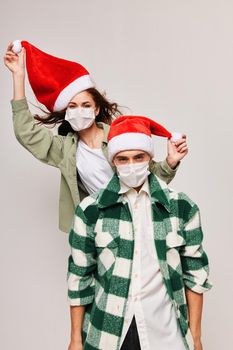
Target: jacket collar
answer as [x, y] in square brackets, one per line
[106, 128]
[110, 196]
[159, 192]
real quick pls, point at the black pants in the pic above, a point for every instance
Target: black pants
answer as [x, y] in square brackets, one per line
[131, 341]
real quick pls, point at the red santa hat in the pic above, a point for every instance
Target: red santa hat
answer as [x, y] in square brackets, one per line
[55, 81]
[135, 133]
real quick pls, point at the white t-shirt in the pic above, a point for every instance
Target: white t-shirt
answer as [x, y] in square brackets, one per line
[93, 168]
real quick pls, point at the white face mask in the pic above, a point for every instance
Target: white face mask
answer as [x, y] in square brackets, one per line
[80, 118]
[133, 175]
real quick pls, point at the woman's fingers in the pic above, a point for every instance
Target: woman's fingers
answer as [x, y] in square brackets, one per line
[10, 46]
[10, 53]
[10, 58]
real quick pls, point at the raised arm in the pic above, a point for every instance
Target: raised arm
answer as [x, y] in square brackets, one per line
[16, 64]
[35, 138]
[166, 170]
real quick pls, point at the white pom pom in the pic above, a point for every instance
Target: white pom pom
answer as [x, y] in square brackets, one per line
[17, 47]
[176, 136]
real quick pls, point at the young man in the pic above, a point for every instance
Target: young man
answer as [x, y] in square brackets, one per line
[137, 269]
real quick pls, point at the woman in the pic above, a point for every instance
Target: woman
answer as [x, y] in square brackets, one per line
[80, 148]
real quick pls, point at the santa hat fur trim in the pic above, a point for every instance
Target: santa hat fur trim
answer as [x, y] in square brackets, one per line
[134, 133]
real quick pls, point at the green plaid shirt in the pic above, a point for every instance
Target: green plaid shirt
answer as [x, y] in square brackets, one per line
[102, 247]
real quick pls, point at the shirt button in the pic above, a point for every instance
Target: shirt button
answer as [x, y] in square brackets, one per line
[135, 299]
[136, 252]
[136, 275]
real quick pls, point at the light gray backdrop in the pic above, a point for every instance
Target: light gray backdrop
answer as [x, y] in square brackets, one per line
[168, 59]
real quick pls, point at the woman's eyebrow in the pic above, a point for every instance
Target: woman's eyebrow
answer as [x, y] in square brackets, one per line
[74, 103]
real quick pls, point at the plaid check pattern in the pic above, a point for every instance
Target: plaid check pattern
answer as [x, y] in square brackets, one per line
[102, 246]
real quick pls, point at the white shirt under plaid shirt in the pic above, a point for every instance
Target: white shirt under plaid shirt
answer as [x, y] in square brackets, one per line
[148, 299]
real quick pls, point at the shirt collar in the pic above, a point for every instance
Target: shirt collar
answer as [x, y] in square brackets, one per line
[156, 188]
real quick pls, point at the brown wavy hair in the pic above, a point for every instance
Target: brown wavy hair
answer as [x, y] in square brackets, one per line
[107, 112]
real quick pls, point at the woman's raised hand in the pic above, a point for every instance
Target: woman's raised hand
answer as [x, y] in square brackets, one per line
[15, 62]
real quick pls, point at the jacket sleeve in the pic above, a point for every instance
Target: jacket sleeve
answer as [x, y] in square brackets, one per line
[82, 262]
[194, 260]
[35, 138]
[163, 170]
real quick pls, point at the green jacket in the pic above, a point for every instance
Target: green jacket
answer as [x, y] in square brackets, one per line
[60, 151]
[102, 247]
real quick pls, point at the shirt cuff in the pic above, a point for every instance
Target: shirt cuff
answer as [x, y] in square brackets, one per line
[19, 105]
[200, 289]
[83, 297]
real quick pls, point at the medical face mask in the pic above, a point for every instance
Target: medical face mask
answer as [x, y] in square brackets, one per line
[133, 175]
[80, 118]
